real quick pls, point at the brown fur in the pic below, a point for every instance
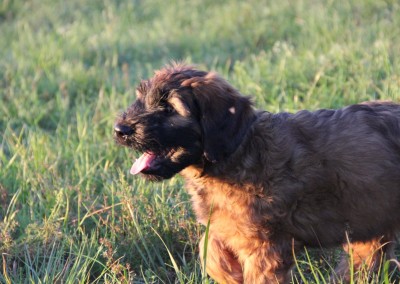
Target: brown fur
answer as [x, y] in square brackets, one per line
[273, 183]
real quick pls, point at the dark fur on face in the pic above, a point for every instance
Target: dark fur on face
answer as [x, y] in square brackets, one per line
[273, 183]
[183, 117]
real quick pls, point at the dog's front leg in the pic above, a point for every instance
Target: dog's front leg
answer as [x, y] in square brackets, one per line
[221, 263]
[267, 264]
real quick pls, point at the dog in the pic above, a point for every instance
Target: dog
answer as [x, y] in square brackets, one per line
[269, 184]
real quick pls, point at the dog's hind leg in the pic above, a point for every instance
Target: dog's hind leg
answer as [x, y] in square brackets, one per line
[365, 257]
[221, 263]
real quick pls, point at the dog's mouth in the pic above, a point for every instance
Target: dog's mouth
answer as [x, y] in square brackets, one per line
[158, 165]
[149, 162]
[143, 162]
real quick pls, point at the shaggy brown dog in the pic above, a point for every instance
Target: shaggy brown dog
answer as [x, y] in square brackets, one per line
[270, 183]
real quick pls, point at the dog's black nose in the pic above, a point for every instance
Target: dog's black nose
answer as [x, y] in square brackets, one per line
[122, 130]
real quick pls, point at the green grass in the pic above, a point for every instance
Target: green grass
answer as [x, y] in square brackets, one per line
[69, 210]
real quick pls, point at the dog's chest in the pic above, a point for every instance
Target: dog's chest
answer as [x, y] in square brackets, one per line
[229, 209]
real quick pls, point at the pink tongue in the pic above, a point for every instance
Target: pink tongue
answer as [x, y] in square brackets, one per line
[142, 163]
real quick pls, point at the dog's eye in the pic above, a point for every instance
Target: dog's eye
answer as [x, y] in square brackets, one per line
[169, 109]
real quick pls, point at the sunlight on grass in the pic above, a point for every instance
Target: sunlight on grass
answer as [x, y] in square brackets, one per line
[69, 210]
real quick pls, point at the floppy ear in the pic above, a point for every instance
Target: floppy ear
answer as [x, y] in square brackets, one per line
[224, 115]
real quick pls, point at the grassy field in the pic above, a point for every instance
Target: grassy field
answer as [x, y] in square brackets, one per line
[69, 210]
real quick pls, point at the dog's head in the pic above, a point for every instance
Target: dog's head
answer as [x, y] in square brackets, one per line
[181, 117]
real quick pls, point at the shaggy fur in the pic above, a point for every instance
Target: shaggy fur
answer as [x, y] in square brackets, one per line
[272, 183]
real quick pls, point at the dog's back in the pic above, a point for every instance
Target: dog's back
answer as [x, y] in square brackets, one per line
[349, 163]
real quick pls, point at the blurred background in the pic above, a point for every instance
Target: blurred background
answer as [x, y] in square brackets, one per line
[69, 210]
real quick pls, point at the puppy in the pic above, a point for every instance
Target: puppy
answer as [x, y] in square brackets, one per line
[269, 184]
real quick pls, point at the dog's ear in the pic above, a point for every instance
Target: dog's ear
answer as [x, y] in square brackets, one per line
[223, 113]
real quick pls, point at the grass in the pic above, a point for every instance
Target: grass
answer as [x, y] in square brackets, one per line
[69, 210]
